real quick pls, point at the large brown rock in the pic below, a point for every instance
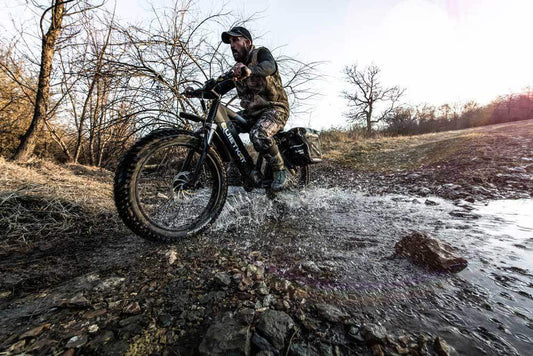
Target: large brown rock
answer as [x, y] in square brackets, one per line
[429, 252]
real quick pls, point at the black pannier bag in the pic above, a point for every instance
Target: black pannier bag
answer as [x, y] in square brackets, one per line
[301, 146]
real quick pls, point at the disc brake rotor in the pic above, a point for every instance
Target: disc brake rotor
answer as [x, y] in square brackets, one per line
[180, 188]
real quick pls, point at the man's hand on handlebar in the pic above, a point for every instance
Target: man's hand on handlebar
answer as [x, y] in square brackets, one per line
[241, 71]
[189, 92]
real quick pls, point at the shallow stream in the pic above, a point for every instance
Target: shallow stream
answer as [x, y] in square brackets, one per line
[341, 243]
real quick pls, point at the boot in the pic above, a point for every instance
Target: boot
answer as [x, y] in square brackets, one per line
[275, 161]
[280, 180]
[255, 176]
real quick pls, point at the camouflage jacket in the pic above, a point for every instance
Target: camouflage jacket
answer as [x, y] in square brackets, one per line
[263, 89]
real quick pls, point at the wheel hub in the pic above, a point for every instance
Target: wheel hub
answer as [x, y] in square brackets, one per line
[180, 186]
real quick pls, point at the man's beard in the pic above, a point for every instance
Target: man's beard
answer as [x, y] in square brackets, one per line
[241, 55]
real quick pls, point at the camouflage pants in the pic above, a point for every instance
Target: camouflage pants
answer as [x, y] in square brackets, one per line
[264, 129]
[262, 136]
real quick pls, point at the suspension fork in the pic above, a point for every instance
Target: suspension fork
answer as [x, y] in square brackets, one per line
[211, 127]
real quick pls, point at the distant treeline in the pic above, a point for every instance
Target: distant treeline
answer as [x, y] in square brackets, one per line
[409, 120]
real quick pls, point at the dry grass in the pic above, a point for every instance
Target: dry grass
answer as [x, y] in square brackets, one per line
[42, 200]
[390, 154]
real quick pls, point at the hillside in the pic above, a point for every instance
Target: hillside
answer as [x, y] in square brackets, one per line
[486, 162]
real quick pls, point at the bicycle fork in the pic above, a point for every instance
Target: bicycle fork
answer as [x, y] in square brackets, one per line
[206, 142]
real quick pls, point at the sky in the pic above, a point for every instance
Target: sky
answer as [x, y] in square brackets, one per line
[440, 51]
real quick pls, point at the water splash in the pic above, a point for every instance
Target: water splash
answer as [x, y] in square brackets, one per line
[350, 237]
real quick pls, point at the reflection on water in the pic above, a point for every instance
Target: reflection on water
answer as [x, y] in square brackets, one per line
[510, 225]
[349, 237]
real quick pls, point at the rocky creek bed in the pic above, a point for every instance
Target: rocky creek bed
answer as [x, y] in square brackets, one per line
[309, 273]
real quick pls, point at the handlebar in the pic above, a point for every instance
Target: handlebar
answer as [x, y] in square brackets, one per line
[206, 92]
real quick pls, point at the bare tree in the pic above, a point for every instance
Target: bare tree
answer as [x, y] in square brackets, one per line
[27, 143]
[370, 102]
[177, 50]
[297, 77]
[15, 105]
[56, 13]
[110, 83]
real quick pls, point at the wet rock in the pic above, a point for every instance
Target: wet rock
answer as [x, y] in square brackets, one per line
[298, 350]
[373, 333]
[255, 272]
[464, 214]
[310, 324]
[132, 309]
[103, 338]
[441, 347]
[136, 319]
[41, 344]
[262, 288]
[76, 341]
[245, 316]
[109, 283]
[451, 186]
[266, 353]
[323, 349]
[429, 252]
[311, 267]
[17, 347]
[78, 301]
[94, 313]
[69, 352]
[423, 191]
[320, 349]
[262, 344]
[269, 300]
[35, 331]
[274, 326]
[377, 350]
[222, 279]
[355, 332]
[165, 320]
[298, 293]
[282, 285]
[331, 313]
[226, 336]
[193, 315]
[172, 256]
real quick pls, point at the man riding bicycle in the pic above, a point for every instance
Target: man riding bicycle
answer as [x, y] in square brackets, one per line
[263, 99]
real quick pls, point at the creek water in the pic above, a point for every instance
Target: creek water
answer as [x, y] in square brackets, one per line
[345, 239]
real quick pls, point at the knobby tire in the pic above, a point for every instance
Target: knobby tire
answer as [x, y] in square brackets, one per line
[129, 174]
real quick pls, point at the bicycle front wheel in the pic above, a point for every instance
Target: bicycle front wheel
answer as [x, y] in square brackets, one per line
[155, 193]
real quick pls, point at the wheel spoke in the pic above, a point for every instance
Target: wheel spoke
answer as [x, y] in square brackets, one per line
[165, 196]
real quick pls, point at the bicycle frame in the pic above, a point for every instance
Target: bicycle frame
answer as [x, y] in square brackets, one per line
[220, 132]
